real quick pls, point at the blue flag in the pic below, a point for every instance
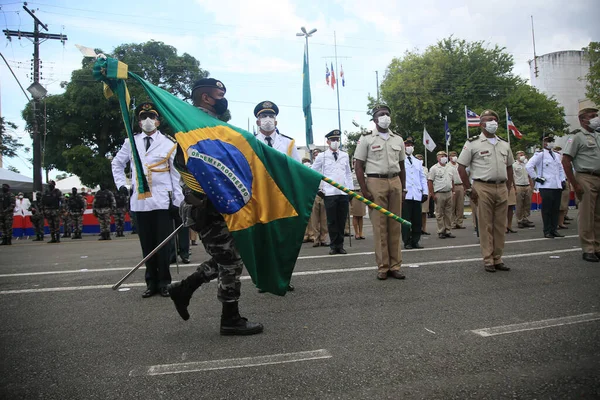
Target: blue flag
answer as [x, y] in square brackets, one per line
[447, 130]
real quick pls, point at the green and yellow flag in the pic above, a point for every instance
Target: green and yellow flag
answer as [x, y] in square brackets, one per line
[265, 197]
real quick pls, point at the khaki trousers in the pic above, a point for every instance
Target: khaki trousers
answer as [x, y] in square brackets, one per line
[523, 203]
[318, 220]
[589, 213]
[492, 206]
[443, 211]
[308, 233]
[388, 194]
[458, 205]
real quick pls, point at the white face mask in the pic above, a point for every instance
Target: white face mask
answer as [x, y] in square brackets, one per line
[595, 123]
[550, 145]
[491, 127]
[148, 125]
[307, 164]
[444, 160]
[334, 145]
[409, 150]
[384, 121]
[454, 158]
[523, 159]
[267, 124]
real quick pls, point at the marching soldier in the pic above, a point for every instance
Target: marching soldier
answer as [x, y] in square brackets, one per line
[441, 183]
[490, 161]
[458, 195]
[7, 208]
[104, 203]
[153, 219]
[77, 207]
[37, 217]
[122, 200]
[51, 203]
[380, 155]
[524, 186]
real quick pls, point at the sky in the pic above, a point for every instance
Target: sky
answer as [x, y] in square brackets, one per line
[251, 45]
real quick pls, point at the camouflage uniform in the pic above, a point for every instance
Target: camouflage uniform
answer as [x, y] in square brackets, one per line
[51, 208]
[77, 206]
[7, 207]
[37, 217]
[65, 217]
[104, 203]
[122, 200]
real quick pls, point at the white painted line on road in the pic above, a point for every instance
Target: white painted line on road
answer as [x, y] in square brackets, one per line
[300, 273]
[543, 324]
[195, 265]
[245, 362]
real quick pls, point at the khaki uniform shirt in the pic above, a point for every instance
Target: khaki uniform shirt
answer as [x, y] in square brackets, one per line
[379, 155]
[487, 161]
[457, 180]
[584, 147]
[520, 174]
[442, 177]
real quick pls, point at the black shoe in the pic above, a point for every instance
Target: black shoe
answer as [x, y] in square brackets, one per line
[449, 235]
[417, 246]
[342, 251]
[489, 268]
[549, 236]
[325, 244]
[149, 293]
[164, 292]
[556, 234]
[290, 288]
[185, 260]
[442, 235]
[333, 251]
[425, 233]
[509, 230]
[408, 246]
[194, 243]
[53, 240]
[501, 267]
[591, 257]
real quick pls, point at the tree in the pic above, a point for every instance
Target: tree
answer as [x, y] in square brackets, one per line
[593, 76]
[85, 130]
[352, 141]
[8, 144]
[422, 89]
[13, 169]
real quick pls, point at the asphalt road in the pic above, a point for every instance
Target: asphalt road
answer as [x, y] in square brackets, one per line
[341, 333]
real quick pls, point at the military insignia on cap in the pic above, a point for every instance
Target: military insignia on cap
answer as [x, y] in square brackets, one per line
[267, 104]
[219, 84]
[147, 107]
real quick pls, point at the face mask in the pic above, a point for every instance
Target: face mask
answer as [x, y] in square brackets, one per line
[220, 105]
[384, 121]
[491, 126]
[444, 160]
[267, 124]
[409, 150]
[454, 158]
[148, 125]
[307, 164]
[20, 197]
[595, 123]
[550, 145]
[523, 159]
[334, 145]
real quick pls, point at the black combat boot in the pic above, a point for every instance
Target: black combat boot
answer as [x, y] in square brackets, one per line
[107, 235]
[181, 292]
[102, 236]
[3, 241]
[58, 238]
[53, 238]
[233, 324]
[9, 240]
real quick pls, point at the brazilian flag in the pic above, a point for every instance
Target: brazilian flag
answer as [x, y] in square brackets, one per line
[265, 197]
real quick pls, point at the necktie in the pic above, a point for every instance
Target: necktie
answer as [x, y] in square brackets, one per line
[551, 153]
[148, 140]
[269, 140]
[335, 155]
[410, 160]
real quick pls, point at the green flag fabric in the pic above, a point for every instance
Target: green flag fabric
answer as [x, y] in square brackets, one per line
[306, 99]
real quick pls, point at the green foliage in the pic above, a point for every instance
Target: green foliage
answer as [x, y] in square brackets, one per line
[8, 144]
[352, 140]
[421, 89]
[13, 169]
[84, 129]
[593, 76]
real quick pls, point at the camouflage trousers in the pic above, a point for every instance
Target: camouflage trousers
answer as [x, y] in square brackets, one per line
[53, 218]
[37, 220]
[66, 223]
[225, 263]
[119, 219]
[103, 215]
[77, 220]
[6, 223]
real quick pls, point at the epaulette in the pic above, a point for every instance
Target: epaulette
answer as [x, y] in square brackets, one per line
[285, 136]
[365, 133]
[171, 138]
[472, 138]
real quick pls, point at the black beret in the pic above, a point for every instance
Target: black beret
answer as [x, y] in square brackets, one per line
[380, 107]
[410, 140]
[266, 106]
[147, 108]
[209, 83]
[333, 134]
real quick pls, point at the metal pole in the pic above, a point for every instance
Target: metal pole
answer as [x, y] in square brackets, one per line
[337, 86]
[176, 247]
[160, 246]
[466, 121]
[37, 146]
[507, 130]
[377, 80]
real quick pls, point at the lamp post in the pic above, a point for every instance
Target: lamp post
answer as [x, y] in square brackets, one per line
[306, 97]
[306, 36]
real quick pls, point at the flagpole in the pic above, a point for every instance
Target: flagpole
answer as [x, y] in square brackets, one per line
[446, 133]
[466, 121]
[337, 85]
[507, 130]
[426, 149]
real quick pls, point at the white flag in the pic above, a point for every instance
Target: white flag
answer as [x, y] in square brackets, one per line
[428, 141]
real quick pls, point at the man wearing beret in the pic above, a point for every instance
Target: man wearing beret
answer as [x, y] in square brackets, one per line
[546, 170]
[490, 161]
[266, 118]
[582, 153]
[416, 194]
[441, 186]
[335, 164]
[153, 218]
[199, 213]
[380, 155]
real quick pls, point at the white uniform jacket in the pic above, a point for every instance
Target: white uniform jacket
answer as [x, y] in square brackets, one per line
[158, 166]
[339, 171]
[544, 165]
[284, 144]
[416, 181]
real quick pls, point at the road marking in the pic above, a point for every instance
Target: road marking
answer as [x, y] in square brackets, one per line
[300, 273]
[530, 326]
[195, 265]
[245, 362]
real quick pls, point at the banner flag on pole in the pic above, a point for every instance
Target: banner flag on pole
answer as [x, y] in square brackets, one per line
[447, 131]
[511, 126]
[428, 141]
[342, 75]
[327, 74]
[472, 118]
[307, 99]
[332, 77]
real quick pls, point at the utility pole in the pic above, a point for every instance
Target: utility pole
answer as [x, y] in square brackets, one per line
[36, 90]
[377, 80]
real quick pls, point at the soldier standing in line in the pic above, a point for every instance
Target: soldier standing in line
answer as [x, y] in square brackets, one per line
[458, 195]
[425, 205]
[524, 189]
[122, 200]
[441, 185]
[77, 206]
[7, 208]
[37, 217]
[318, 216]
[64, 215]
[51, 203]
[104, 203]
[490, 161]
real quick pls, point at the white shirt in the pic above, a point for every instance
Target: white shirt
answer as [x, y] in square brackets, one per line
[22, 207]
[339, 171]
[160, 156]
[416, 182]
[284, 144]
[542, 164]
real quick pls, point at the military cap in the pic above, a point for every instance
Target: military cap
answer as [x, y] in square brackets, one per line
[548, 136]
[333, 134]
[587, 110]
[441, 153]
[305, 160]
[380, 107]
[520, 152]
[453, 153]
[209, 83]
[419, 155]
[409, 140]
[147, 108]
[487, 113]
[266, 107]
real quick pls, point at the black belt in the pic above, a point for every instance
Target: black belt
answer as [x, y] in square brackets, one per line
[447, 191]
[490, 182]
[384, 176]
[523, 185]
[589, 173]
